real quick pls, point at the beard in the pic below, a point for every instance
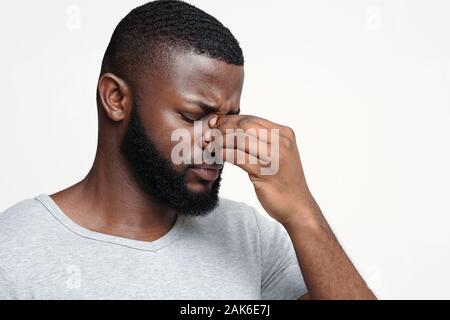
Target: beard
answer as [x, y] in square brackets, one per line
[156, 176]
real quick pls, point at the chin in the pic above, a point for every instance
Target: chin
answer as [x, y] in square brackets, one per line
[199, 186]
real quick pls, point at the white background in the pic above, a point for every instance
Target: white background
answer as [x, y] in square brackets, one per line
[364, 83]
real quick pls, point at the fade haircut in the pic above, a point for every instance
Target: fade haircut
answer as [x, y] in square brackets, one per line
[144, 39]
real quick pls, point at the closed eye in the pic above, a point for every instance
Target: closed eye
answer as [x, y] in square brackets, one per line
[189, 119]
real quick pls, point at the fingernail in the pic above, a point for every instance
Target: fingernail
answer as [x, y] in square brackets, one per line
[213, 121]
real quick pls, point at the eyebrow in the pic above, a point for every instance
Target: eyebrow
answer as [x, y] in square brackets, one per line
[211, 109]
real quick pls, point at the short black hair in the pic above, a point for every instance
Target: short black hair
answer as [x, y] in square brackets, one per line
[150, 32]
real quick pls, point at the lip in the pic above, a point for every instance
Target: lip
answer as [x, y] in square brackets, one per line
[207, 172]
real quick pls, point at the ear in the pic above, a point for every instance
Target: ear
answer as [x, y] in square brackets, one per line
[115, 96]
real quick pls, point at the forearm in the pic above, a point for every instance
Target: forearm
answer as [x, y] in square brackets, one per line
[327, 271]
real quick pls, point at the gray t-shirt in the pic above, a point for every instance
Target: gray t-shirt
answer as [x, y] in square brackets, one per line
[232, 253]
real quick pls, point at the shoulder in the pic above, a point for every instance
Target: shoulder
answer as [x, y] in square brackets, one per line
[237, 220]
[234, 213]
[19, 214]
[21, 223]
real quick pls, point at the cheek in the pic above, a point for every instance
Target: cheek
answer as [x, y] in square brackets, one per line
[163, 127]
[162, 139]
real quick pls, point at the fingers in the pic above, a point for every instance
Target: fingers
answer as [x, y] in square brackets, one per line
[243, 120]
[213, 121]
[250, 144]
[246, 152]
[260, 127]
[241, 159]
[246, 141]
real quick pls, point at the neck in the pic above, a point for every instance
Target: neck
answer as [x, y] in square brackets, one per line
[109, 201]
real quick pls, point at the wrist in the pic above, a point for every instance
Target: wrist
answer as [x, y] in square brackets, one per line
[305, 216]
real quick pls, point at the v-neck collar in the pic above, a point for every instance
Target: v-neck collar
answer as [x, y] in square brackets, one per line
[77, 229]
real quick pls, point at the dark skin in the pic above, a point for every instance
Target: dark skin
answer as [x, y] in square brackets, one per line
[195, 87]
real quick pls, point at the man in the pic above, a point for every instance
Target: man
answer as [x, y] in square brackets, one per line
[143, 225]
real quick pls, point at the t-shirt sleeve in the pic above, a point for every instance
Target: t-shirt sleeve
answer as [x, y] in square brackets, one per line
[281, 277]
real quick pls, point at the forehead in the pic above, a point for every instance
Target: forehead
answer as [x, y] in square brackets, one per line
[191, 76]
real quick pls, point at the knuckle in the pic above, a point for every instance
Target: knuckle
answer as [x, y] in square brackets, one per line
[286, 142]
[244, 121]
[289, 132]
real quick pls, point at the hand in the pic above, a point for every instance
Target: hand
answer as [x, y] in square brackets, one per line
[284, 194]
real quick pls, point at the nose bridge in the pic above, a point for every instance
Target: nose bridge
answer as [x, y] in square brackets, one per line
[224, 99]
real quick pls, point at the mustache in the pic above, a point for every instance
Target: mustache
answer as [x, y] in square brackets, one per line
[207, 166]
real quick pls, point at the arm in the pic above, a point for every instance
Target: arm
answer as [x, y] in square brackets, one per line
[284, 194]
[328, 272]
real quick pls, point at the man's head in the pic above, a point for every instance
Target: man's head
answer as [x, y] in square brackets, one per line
[167, 64]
